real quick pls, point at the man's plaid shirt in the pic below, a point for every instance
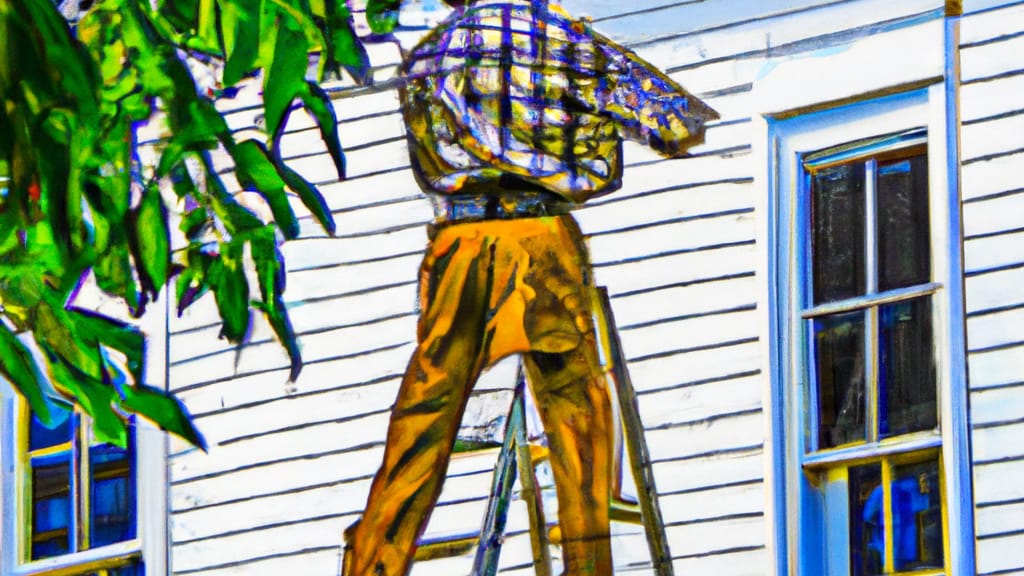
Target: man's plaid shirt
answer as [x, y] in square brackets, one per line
[518, 88]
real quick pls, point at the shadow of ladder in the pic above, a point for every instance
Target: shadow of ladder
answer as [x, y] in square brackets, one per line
[517, 457]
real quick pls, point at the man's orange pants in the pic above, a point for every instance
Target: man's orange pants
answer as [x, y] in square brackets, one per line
[487, 290]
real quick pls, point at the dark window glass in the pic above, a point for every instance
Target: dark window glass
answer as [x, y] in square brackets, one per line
[51, 508]
[904, 256]
[906, 372]
[837, 215]
[917, 516]
[867, 527]
[839, 362]
[112, 496]
[40, 436]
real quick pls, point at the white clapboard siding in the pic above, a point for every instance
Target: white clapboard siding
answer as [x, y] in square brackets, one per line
[992, 139]
[676, 247]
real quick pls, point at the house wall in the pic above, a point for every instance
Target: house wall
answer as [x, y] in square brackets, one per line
[992, 152]
[677, 247]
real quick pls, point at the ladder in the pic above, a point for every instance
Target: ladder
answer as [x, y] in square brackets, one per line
[517, 457]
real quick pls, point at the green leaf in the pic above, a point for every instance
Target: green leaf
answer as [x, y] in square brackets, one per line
[285, 78]
[270, 273]
[319, 105]
[95, 397]
[255, 171]
[19, 368]
[125, 338]
[241, 33]
[115, 273]
[382, 15]
[150, 241]
[192, 282]
[310, 196]
[343, 46]
[164, 410]
[226, 277]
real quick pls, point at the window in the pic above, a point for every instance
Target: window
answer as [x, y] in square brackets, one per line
[79, 494]
[864, 378]
[74, 506]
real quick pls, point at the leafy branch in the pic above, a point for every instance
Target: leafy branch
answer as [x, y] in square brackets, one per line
[77, 205]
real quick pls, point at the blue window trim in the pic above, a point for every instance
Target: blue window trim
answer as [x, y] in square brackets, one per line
[800, 516]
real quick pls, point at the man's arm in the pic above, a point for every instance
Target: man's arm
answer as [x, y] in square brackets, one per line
[650, 107]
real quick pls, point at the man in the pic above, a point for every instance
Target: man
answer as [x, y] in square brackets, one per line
[515, 113]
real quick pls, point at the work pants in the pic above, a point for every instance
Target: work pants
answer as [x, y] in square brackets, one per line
[487, 290]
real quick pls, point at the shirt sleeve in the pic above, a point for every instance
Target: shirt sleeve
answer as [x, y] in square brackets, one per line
[650, 107]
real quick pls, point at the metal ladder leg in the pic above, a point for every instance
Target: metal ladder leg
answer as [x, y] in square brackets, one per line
[640, 460]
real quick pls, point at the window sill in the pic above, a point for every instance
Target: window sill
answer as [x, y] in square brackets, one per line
[887, 447]
[85, 562]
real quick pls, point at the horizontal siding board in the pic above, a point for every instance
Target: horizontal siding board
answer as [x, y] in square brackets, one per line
[996, 367]
[701, 537]
[995, 329]
[690, 299]
[689, 333]
[713, 502]
[700, 402]
[1000, 554]
[749, 562]
[988, 60]
[985, 99]
[321, 561]
[993, 251]
[989, 25]
[995, 289]
[996, 520]
[998, 442]
[991, 176]
[995, 482]
[703, 437]
[349, 434]
[992, 137]
[294, 540]
[678, 269]
[671, 370]
[997, 405]
[284, 478]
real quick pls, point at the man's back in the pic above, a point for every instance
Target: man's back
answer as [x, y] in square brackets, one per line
[517, 88]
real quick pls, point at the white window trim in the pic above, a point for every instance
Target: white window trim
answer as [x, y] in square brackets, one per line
[151, 541]
[798, 514]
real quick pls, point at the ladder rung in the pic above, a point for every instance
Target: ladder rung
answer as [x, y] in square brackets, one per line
[435, 548]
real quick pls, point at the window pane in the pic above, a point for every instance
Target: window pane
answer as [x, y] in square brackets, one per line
[917, 516]
[838, 232]
[40, 436]
[867, 528]
[903, 232]
[51, 509]
[839, 364]
[112, 496]
[906, 376]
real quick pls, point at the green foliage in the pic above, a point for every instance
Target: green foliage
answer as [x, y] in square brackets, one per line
[76, 205]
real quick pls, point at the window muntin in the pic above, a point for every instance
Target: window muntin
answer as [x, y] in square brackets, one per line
[78, 495]
[870, 354]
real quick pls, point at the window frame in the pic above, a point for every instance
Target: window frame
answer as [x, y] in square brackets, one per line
[152, 537]
[800, 514]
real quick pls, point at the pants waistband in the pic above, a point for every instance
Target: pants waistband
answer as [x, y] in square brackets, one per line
[505, 205]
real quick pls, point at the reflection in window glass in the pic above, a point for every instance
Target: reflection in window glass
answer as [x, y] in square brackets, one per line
[112, 496]
[904, 255]
[40, 436]
[867, 527]
[51, 508]
[906, 377]
[837, 214]
[839, 361]
[917, 516]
